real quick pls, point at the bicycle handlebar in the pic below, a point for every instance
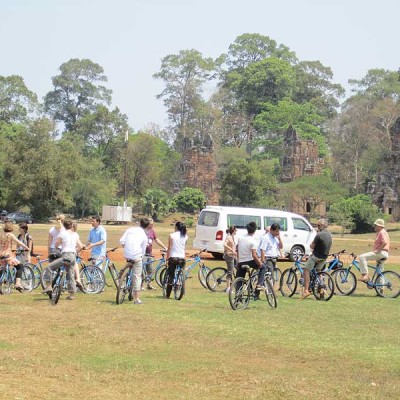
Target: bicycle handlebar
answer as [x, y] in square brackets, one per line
[197, 254]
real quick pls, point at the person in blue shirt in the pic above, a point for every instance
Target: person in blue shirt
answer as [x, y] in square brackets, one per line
[97, 242]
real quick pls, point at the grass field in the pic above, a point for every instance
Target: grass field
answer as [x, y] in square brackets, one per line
[198, 348]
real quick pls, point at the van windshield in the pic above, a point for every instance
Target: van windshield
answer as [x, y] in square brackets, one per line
[208, 218]
[240, 221]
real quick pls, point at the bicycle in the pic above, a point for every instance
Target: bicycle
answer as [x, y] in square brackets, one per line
[385, 283]
[59, 282]
[38, 268]
[335, 263]
[155, 274]
[91, 276]
[321, 283]
[125, 283]
[244, 289]
[8, 276]
[178, 283]
[109, 264]
[196, 260]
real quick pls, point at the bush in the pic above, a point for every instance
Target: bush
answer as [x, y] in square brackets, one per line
[189, 200]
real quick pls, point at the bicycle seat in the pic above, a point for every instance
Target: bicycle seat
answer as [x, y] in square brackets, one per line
[246, 267]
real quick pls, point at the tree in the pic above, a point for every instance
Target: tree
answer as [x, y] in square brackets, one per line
[16, 100]
[77, 92]
[156, 203]
[184, 75]
[313, 190]
[253, 47]
[189, 200]
[248, 183]
[355, 213]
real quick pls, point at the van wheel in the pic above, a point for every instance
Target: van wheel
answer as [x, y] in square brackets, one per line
[217, 256]
[296, 251]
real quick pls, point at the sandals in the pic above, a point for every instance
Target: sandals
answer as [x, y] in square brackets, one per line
[305, 295]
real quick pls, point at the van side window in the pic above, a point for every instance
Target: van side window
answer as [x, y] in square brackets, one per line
[268, 221]
[240, 221]
[300, 224]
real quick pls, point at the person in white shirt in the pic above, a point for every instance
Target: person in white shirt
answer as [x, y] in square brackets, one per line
[247, 255]
[54, 233]
[70, 243]
[134, 242]
[176, 253]
[270, 247]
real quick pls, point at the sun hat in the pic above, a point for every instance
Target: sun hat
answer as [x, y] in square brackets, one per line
[380, 222]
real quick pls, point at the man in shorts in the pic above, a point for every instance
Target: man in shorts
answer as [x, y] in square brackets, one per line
[321, 247]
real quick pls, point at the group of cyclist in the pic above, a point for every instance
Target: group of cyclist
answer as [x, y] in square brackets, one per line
[64, 243]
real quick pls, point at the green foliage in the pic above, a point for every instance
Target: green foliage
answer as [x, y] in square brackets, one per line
[156, 203]
[16, 100]
[356, 214]
[189, 200]
[248, 183]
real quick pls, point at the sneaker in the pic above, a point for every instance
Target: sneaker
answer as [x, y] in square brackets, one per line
[47, 290]
[149, 287]
[70, 297]
[138, 302]
[227, 290]
[143, 289]
[259, 287]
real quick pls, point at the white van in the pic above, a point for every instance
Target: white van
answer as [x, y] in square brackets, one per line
[296, 232]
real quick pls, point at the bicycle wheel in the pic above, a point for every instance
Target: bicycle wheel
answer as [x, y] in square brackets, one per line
[216, 279]
[37, 273]
[114, 274]
[93, 280]
[164, 282]
[27, 278]
[160, 276]
[202, 275]
[270, 294]
[323, 287]
[239, 294]
[345, 281]
[157, 273]
[288, 283]
[179, 285]
[57, 289]
[5, 282]
[388, 284]
[124, 287]
[46, 278]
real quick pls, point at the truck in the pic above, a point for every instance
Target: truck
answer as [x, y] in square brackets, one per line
[116, 214]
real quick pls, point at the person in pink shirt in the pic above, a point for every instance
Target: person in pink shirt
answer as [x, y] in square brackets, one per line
[380, 250]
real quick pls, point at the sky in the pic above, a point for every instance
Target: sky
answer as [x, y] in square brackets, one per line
[129, 38]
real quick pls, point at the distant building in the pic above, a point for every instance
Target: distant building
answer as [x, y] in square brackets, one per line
[198, 169]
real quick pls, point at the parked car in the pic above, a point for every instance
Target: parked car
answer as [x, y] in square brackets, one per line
[17, 217]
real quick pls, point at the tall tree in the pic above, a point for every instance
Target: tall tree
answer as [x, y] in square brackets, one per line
[16, 100]
[77, 92]
[184, 75]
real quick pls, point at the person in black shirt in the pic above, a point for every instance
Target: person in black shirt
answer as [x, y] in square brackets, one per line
[321, 247]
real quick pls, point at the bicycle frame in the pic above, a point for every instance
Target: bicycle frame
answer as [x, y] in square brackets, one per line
[161, 263]
[334, 263]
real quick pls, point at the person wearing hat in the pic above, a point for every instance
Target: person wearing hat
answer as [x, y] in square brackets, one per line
[380, 250]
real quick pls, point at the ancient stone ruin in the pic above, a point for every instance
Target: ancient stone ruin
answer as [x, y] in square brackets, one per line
[198, 169]
[386, 192]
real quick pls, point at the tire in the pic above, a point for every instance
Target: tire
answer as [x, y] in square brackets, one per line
[179, 286]
[216, 279]
[57, 289]
[239, 294]
[46, 278]
[160, 276]
[270, 294]
[164, 276]
[124, 287]
[114, 274]
[5, 283]
[345, 281]
[288, 283]
[93, 280]
[37, 272]
[28, 278]
[202, 275]
[295, 252]
[323, 287]
[389, 284]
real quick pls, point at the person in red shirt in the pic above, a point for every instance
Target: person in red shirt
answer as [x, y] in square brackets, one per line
[380, 250]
